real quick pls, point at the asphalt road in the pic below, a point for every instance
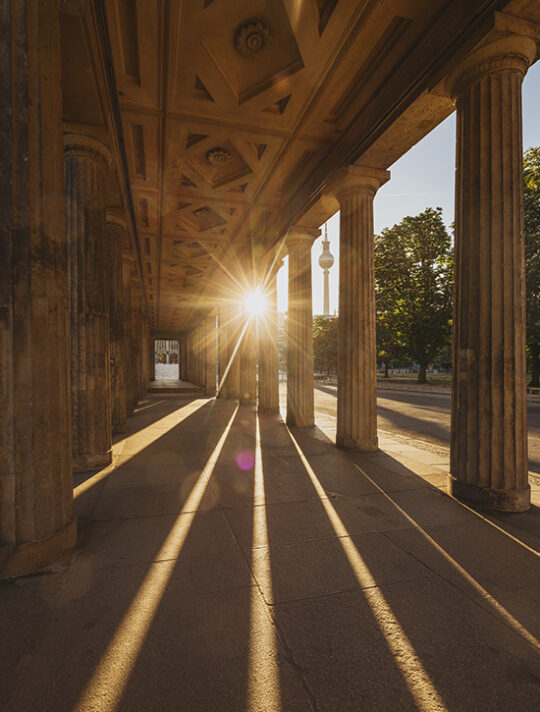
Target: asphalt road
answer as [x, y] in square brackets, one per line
[425, 418]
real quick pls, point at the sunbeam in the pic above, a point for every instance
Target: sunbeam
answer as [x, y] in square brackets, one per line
[501, 610]
[409, 664]
[140, 440]
[109, 680]
[233, 355]
[263, 680]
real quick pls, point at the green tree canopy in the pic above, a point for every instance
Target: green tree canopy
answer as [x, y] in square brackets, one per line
[414, 279]
[531, 184]
[325, 343]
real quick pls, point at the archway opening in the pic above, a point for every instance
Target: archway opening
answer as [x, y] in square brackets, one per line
[166, 360]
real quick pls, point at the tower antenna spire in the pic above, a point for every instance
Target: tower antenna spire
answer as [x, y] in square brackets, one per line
[326, 260]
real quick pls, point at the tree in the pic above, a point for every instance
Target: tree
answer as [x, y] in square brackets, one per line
[531, 185]
[325, 343]
[414, 277]
[392, 285]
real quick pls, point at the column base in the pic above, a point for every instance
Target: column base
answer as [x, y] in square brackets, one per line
[92, 462]
[29, 558]
[492, 499]
[299, 422]
[268, 408]
[369, 445]
[120, 428]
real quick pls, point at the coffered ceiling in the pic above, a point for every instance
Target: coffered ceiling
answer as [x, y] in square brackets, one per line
[234, 115]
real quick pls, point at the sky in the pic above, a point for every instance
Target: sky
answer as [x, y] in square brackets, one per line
[422, 178]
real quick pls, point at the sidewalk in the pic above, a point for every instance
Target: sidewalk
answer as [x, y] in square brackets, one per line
[228, 563]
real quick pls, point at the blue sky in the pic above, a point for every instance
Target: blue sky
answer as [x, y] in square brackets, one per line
[423, 177]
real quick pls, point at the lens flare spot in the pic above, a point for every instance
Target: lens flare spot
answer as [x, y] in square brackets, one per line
[245, 460]
[255, 302]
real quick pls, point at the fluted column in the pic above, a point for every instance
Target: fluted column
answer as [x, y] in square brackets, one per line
[210, 355]
[36, 485]
[355, 188]
[268, 347]
[115, 238]
[248, 366]
[234, 327]
[223, 352]
[300, 411]
[86, 161]
[489, 426]
[127, 267]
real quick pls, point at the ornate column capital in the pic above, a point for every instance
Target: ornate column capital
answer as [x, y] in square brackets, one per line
[116, 225]
[278, 264]
[78, 144]
[356, 179]
[300, 235]
[514, 52]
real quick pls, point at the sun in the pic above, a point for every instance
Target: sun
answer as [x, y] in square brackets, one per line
[255, 302]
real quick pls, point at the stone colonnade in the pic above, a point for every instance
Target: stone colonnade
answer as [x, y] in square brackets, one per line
[73, 341]
[66, 306]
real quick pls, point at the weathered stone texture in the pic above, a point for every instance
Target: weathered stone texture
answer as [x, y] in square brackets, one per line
[248, 366]
[357, 357]
[117, 316]
[36, 517]
[300, 410]
[489, 429]
[268, 348]
[86, 167]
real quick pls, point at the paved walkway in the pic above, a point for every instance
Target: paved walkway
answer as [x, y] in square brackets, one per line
[226, 563]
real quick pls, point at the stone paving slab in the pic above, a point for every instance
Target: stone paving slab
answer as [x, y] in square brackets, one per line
[289, 582]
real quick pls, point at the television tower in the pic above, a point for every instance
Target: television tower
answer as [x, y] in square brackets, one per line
[326, 260]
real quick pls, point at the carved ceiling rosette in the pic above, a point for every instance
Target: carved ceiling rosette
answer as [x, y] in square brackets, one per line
[253, 40]
[218, 157]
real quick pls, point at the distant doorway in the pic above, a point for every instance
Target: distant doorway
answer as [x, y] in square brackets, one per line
[166, 359]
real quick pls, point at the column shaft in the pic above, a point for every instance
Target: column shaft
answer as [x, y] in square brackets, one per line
[36, 485]
[268, 350]
[85, 167]
[248, 366]
[300, 411]
[210, 355]
[223, 352]
[489, 425]
[357, 355]
[115, 238]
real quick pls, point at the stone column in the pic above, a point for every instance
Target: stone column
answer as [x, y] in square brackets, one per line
[300, 328]
[210, 355]
[489, 426]
[116, 228]
[355, 188]
[36, 485]
[268, 347]
[223, 352]
[234, 328]
[152, 358]
[127, 266]
[248, 366]
[86, 161]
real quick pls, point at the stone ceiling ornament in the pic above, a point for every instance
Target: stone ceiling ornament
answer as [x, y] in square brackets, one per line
[253, 41]
[218, 156]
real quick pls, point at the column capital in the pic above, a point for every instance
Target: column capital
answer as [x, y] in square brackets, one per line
[117, 224]
[87, 147]
[301, 235]
[358, 179]
[514, 52]
[278, 264]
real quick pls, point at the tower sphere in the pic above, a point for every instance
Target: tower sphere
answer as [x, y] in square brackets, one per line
[326, 260]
